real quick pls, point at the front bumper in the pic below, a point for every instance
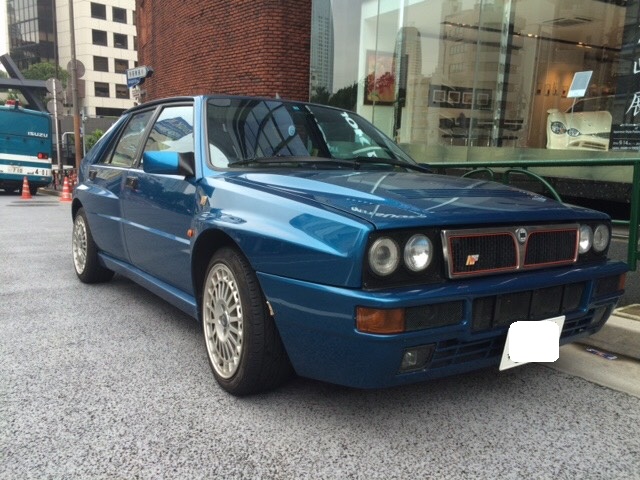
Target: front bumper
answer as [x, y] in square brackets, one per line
[318, 328]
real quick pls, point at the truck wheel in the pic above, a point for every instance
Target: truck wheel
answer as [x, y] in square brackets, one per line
[85, 253]
[243, 345]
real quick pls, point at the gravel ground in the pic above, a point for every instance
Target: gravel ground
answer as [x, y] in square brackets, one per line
[109, 381]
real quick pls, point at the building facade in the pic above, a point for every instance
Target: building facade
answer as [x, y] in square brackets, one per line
[241, 47]
[449, 80]
[105, 41]
[31, 30]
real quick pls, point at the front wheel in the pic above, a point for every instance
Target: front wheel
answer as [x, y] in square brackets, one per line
[243, 345]
[85, 253]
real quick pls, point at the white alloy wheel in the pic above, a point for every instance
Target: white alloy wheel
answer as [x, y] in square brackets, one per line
[223, 320]
[79, 244]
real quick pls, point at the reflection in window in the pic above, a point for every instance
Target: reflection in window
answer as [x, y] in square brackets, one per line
[122, 91]
[173, 131]
[121, 66]
[119, 15]
[100, 64]
[120, 40]
[99, 37]
[98, 11]
[101, 89]
[443, 73]
[239, 130]
[124, 154]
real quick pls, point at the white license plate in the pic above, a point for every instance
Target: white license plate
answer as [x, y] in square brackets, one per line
[538, 342]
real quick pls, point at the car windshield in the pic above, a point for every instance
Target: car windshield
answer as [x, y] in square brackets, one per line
[272, 132]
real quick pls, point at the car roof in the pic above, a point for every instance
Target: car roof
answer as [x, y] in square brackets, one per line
[181, 99]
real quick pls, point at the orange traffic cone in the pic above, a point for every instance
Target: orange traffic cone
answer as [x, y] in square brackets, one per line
[26, 193]
[66, 193]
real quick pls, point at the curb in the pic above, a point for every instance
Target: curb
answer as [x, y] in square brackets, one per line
[621, 333]
[48, 191]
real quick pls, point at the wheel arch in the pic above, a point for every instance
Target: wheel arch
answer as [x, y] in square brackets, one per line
[75, 206]
[206, 245]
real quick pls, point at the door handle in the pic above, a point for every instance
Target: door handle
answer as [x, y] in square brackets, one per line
[132, 183]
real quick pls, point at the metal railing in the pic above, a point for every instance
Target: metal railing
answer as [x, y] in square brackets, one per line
[521, 167]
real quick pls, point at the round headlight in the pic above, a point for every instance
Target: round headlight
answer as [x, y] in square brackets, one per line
[384, 256]
[558, 128]
[586, 239]
[573, 132]
[601, 237]
[418, 253]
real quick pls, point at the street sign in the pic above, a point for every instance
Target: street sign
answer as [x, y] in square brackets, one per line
[53, 84]
[136, 76]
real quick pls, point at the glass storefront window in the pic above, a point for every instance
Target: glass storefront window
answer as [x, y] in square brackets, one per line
[465, 80]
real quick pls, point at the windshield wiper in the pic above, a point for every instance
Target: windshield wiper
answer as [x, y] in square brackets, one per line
[355, 162]
[390, 161]
[280, 160]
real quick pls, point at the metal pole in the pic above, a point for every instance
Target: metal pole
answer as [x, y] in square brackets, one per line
[635, 218]
[74, 89]
[57, 125]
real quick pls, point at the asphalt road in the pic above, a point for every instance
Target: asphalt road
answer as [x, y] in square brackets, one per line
[109, 381]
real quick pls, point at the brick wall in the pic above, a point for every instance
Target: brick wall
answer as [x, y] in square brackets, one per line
[249, 47]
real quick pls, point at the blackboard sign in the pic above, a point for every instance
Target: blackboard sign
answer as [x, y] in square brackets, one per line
[625, 131]
[625, 137]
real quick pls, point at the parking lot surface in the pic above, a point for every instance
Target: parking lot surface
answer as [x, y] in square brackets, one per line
[109, 381]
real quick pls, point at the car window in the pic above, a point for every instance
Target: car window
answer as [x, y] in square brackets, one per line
[249, 129]
[240, 130]
[172, 131]
[124, 154]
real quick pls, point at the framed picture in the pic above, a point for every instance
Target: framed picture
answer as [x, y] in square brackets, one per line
[482, 100]
[467, 98]
[380, 82]
[453, 97]
[439, 96]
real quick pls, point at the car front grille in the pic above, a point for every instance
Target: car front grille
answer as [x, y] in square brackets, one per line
[495, 250]
[502, 310]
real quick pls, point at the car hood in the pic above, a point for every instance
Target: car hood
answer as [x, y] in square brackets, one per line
[398, 199]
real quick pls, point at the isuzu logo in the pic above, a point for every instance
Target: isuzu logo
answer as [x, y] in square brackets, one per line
[522, 235]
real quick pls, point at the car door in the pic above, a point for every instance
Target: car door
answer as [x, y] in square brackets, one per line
[159, 208]
[105, 181]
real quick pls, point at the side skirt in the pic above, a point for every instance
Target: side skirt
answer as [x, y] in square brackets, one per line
[174, 296]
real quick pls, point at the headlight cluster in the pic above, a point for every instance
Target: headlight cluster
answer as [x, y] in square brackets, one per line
[559, 128]
[402, 258]
[594, 238]
[384, 254]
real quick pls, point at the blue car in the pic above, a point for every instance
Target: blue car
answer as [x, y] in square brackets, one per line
[304, 240]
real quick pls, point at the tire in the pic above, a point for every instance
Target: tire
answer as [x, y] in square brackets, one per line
[243, 345]
[85, 253]
[33, 190]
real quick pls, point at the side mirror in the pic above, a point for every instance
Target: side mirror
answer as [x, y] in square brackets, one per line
[169, 163]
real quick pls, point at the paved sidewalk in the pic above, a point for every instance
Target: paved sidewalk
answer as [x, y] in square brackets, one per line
[611, 357]
[621, 334]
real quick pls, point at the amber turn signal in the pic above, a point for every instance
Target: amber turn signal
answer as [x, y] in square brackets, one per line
[373, 320]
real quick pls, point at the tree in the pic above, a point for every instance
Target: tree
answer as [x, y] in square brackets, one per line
[346, 97]
[90, 140]
[45, 71]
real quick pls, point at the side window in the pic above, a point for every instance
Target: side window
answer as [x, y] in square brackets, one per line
[172, 131]
[124, 154]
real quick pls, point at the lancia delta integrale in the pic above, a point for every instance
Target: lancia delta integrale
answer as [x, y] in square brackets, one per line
[304, 240]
